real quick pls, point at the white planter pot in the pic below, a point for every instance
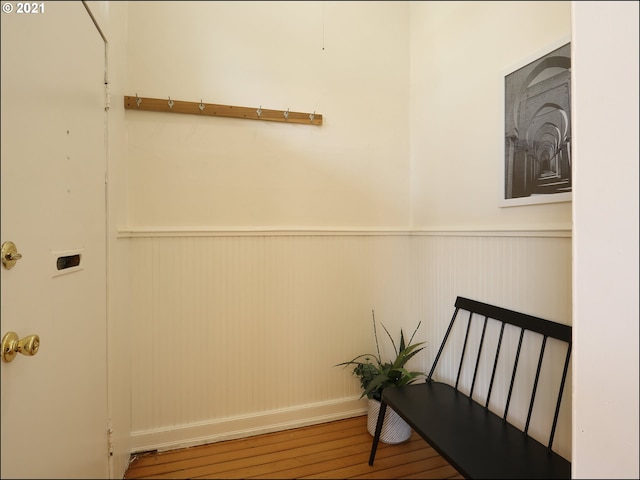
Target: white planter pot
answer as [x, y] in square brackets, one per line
[394, 428]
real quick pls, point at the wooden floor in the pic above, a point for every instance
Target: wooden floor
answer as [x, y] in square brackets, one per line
[332, 450]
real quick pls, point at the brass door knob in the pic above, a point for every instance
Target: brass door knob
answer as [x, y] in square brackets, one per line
[12, 345]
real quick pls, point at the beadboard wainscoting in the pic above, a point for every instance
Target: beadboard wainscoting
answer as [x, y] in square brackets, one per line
[238, 333]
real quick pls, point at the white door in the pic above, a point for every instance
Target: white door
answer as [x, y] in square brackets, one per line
[54, 403]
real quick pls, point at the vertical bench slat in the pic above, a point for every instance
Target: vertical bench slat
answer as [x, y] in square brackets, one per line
[444, 340]
[475, 370]
[535, 384]
[557, 412]
[464, 349]
[513, 375]
[495, 365]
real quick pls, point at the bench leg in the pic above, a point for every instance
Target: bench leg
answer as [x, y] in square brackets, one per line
[376, 437]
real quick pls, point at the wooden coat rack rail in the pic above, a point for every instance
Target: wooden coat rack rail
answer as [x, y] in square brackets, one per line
[215, 110]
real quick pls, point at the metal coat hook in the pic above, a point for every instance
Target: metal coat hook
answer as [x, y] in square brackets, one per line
[286, 114]
[201, 106]
[259, 111]
[170, 103]
[138, 100]
[312, 116]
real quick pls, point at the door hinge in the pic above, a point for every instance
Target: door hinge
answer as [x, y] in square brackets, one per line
[110, 441]
[107, 97]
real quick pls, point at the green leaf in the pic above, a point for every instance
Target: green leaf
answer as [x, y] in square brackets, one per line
[390, 338]
[355, 361]
[407, 354]
[414, 332]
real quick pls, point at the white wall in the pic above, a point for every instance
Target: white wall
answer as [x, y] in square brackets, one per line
[264, 244]
[460, 52]
[605, 247]
[348, 61]
[455, 123]
[239, 335]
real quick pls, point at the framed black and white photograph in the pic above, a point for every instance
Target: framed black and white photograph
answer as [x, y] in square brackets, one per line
[537, 128]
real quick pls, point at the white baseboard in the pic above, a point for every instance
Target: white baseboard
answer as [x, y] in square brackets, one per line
[245, 426]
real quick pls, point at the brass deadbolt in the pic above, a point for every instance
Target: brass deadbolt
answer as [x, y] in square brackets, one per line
[10, 255]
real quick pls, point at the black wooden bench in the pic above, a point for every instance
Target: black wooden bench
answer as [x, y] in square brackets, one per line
[474, 439]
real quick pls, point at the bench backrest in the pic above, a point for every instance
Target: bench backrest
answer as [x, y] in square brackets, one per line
[484, 313]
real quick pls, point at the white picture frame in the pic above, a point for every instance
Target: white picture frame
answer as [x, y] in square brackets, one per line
[536, 164]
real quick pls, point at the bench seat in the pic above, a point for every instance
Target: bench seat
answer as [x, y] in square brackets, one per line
[477, 442]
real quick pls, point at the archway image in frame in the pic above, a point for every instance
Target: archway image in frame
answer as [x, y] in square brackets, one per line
[538, 128]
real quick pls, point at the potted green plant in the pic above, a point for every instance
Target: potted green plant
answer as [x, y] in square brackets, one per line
[376, 375]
